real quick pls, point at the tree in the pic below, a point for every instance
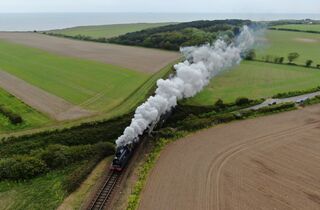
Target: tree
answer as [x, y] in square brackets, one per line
[251, 55]
[308, 63]
[293, 56]
[281, 59]
[219, 104]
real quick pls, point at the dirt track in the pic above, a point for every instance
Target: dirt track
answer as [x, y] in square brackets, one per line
[135, 58]
[265, 163]
[41, 100]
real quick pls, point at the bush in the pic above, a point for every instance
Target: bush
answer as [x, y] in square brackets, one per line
[293, 56]
[56, 156]
[251, 55]
[219, 104]
[14, 118]
[242, 101]
[224, 118]
[308, 63]
[21, 167]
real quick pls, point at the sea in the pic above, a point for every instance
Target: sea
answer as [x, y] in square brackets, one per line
[47, 21]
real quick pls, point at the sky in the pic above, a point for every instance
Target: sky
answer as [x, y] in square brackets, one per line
[170, 6]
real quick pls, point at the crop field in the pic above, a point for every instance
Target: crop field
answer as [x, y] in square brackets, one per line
[264, 163]
[302, 27]
[133, 58]
[77, 81]
[256, 80]
[281, 43]
[107, 31]
[31, 118]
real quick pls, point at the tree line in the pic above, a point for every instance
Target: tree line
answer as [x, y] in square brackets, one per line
[172, 37]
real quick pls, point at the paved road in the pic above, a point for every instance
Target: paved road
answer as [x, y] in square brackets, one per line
[284, 100]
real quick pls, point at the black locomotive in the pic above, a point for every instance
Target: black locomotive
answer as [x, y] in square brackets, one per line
[124, 153]
[122, 156]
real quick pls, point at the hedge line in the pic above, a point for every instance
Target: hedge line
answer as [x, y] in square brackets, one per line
[294, 30]
[21, 167]
[88, 133]
[296, 93]
[14, 118]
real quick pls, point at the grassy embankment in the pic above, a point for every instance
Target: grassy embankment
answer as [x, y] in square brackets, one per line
[106, 31]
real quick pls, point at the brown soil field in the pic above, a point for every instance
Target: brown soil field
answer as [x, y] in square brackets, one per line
[55, 107]
[135, 58]
[265, 163]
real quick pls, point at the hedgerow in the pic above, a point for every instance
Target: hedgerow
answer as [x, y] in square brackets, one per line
[296, 93]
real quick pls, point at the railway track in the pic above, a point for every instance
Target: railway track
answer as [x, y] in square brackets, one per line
[105, 192]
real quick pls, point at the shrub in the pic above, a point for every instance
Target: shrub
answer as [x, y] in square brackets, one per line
[223, 118]
[308, 63]
[21, 167]
[293, 56]
[14, 118]
[56, 156]
[251, 55]
[219, 104]
[242, 101]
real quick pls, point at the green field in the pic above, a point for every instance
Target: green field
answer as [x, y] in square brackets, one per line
[31, 118]
[300, 27]
[280, 43]
[255, 80]
[107, 31]
[91, 84]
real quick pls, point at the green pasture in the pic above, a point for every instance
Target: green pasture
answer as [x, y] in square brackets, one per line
[107, 31]
[256, 80]
[281, 43]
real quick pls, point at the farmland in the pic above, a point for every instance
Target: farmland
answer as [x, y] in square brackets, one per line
[300, 27]
[255, 80]
[133, 58]
[106, 31]
[111, 80]
[72, 79]
[265, 163]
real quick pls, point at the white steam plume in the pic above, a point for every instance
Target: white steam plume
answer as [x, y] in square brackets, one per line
[202, 64]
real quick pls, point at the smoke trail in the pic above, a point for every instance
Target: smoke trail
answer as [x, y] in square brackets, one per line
[202, 64]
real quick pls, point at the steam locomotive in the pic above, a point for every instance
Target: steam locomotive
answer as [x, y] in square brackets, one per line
[124, 153]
